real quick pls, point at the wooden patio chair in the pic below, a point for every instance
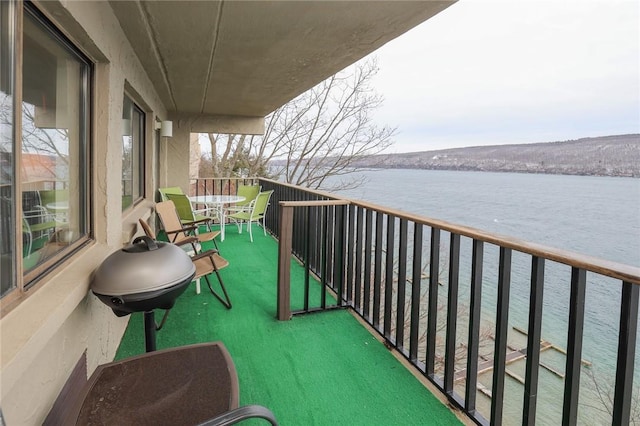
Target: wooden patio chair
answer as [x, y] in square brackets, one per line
[206, 263]
[177, 230]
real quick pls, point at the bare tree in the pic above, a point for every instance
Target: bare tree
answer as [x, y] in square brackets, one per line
[316, 136]
[224, 157]
[45, 143]
[602, 392]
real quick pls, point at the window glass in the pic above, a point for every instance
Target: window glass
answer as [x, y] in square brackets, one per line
[7, 223]
[53, 169]
[132, 153]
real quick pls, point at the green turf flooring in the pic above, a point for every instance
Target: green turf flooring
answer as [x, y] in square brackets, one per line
[318, 369]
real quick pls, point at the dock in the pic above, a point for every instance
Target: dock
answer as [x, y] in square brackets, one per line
[486, 364]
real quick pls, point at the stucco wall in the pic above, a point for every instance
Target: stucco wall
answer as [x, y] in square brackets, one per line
[42, 338]
[174, 156]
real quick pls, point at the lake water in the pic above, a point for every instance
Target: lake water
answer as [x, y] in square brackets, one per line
[597, 216]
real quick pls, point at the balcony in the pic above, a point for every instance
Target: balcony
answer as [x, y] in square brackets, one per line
[315, 369]
[360, 346]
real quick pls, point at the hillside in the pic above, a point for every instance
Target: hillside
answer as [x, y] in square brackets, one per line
[602, 156]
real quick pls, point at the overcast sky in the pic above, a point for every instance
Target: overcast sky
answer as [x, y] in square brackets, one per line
[494, 72]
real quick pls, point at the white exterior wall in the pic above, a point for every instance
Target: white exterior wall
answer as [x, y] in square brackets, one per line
[43, 337]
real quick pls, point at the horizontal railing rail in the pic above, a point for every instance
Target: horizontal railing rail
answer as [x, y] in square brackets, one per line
[440, 294]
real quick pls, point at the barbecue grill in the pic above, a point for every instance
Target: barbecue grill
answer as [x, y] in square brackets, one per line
[141, 277]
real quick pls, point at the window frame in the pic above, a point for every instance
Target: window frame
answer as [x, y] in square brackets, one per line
[9, 75]
[140, 149]
[27, 282]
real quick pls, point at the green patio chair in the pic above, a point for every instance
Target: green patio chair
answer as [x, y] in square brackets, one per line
[249, 192]
[169, 190]
[186, 212]
[257, 213]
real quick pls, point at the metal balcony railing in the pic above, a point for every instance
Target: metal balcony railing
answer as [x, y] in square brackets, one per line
[424, 285]
[218, 186]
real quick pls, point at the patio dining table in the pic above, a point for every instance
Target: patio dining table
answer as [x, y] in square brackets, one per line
[217, 203]
[59, 209]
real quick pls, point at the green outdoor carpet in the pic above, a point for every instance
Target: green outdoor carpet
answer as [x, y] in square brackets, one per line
[318, 369]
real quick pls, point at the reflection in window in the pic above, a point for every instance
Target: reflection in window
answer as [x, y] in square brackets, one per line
[132, 153]
[53, 170]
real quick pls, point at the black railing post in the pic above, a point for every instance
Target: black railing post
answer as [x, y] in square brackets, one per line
[473, 343]
[574, 346]
[377, 271]
[339, 253]
[432, 319]
[402, 284]
[307, 243]
[350, 251]
[367, 265]
[389, 272]
[415, 293]
[331, 221]
[626, 354]
[502, 323]
[452, 314]
[357, 286]
[324, 257]
[533, 341]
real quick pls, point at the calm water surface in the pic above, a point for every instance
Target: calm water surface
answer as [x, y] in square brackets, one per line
[598, 216]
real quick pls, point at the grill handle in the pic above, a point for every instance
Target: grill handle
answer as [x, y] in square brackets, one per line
[148, 242]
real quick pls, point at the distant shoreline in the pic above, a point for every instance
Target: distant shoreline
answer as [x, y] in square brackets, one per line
[611, 156]
[535, 172]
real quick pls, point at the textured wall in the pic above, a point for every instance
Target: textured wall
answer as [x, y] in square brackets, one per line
[45, 335]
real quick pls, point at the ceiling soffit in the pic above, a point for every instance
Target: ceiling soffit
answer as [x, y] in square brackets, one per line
[247, 58]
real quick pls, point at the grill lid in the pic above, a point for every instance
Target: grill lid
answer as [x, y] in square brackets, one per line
[145, 265]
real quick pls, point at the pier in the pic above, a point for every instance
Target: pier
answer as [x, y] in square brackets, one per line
[486, 364]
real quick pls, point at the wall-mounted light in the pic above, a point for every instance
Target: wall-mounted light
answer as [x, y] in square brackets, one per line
[165, 127]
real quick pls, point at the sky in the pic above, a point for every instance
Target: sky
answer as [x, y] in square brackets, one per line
[513, 71]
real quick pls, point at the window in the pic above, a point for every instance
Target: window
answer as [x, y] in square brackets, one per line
[132, 153]
[45, 163]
